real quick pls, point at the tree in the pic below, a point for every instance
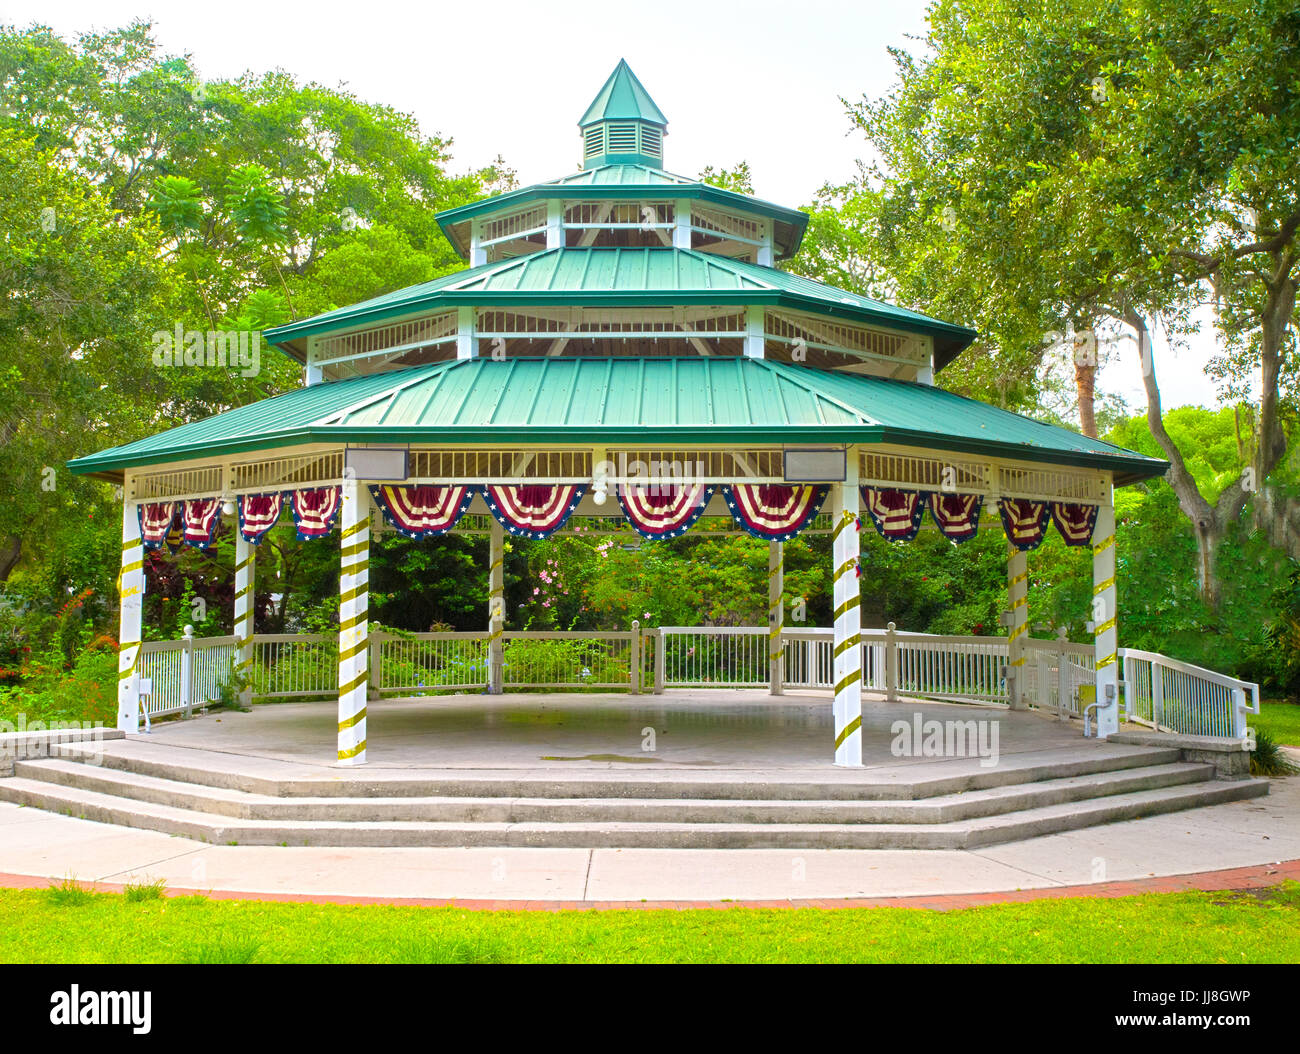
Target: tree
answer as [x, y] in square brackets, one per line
[84, 290]
[1085, 164]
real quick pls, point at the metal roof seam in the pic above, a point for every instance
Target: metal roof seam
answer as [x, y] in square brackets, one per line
[785, 372]
[439, 379]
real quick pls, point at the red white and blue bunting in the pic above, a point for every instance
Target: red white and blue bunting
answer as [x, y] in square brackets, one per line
[534, 510]
[1025, 521]
[956, 515]
[896, 513]
[156, 518]
[775, 512]
[258, 513]
[1075, 522]
[771, 512]
[314, 511]
[663, 510]
[422, 510]
[200, 519]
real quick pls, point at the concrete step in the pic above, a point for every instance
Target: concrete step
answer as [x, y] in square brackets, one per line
[495, 809]
[900, 783]
[1027, 823]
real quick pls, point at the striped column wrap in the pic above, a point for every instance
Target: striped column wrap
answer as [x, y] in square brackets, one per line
[775, 600]
[1103, 576]
[354, 627]
[848, 635]
[130, 595]
[244, 585]
[775, 617]
[1018, 600]
[496, 607]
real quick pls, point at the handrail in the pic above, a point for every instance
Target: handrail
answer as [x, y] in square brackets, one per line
[1164, 692]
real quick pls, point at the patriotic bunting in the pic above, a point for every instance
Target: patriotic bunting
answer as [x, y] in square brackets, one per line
[1025, 521]
[156, 518]
[200, 518]
[772, 512]
[896, 513]
[314, 511]
[258, 513]
[533, 511]
[1075, 522]
[775, 512]
[422, 511]
[956, 515]
[176, 536]
[663, 510]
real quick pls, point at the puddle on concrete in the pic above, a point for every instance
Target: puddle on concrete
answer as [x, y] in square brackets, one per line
[602, 757]
[633, 759]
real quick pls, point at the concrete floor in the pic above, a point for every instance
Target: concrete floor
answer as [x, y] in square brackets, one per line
[725, 735]
[700, 732]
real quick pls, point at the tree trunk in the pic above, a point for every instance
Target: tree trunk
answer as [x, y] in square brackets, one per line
[1085, 379]
[1208, 523]
[10, 553]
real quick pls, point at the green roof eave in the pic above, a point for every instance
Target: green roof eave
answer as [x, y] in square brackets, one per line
[605, 191]
[1127, 469]
[620, 298]
[750, 284]
[637, 401]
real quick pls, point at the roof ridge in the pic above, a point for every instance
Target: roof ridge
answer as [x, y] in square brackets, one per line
[424, 372]
[790, 373]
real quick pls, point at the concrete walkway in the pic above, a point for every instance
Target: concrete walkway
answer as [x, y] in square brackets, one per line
[38, 846]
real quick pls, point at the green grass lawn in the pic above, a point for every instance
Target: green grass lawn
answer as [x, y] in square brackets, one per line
[1281, 719]
[69, 925]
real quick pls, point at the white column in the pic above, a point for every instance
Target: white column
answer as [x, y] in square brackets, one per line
[555, 225]
[477, 254]
[764, 254]
[496, 605]
[848, 626]
[130, 592]
[1018, 599]
[775, 616]
[754, 331]
[682, 224]
[245, 561]
[1104, 611]
[313, 373]
[354, 625]
[465, 325]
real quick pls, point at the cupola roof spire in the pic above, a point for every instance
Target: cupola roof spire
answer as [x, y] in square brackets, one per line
[623, 126]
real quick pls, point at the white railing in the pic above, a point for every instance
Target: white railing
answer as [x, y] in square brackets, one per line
[965, 669]
[1156, 690]
[182, 674]
[710, 657]
[808, 658]
[289, 665]
[1059, 674]
[596, 659]
[422, 663]
[1174, 696]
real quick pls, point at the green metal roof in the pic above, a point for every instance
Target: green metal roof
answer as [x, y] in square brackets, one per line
[631, 400]
[626, 278]
[622, 98]
[623, 182]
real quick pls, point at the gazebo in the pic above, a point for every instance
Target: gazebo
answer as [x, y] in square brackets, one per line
[622, 345]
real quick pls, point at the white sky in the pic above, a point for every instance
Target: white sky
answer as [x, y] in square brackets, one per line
[757, 81]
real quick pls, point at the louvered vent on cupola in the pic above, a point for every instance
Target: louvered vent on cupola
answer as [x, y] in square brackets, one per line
[622, 126]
